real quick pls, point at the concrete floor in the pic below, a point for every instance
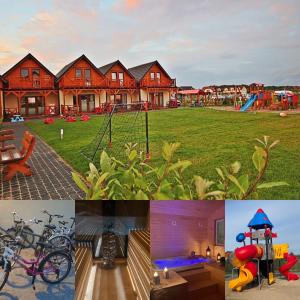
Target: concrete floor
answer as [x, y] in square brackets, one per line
[18, 286]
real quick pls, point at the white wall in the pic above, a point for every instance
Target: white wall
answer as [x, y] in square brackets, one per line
[28, 209]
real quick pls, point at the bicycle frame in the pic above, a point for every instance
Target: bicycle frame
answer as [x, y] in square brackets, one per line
[31, 266]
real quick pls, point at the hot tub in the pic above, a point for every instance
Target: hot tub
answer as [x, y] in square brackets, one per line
[181, 263]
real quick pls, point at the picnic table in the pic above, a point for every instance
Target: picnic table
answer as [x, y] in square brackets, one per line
[17, 118]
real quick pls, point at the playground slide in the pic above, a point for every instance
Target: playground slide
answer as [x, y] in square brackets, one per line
[247, 268]
[244, 278]
[285, 269]
[249, 102]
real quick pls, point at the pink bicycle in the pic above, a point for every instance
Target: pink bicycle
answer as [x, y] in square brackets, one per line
[53, 267]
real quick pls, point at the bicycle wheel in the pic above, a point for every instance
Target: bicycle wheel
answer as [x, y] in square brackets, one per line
[3, 273]
[61, 242]
[28, 236]
[55, 267]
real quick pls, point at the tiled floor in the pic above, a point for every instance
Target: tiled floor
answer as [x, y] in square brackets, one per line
[51, 179]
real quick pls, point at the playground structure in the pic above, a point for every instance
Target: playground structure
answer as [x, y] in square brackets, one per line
[256, 261]
[263, 99]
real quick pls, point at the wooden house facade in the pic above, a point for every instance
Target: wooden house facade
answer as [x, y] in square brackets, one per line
[1, 97]
[122, 87]
[155, 84]
[82, 87]
[29, 89]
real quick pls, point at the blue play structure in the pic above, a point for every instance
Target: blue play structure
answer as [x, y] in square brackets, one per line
[249, 102]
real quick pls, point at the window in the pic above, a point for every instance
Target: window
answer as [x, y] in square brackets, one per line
[87, 73]
[114, 76]
[121, 78]
[24, 73]
[35, 72]
[220, 232]
[78, 73]
[152, 76]
[158, 76]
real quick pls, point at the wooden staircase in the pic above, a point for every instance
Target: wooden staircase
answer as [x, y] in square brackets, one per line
[200, 285]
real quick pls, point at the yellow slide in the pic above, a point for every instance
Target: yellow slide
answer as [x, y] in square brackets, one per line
[244, 278]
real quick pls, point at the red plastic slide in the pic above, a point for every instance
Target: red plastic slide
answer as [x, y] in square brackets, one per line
[284, 269]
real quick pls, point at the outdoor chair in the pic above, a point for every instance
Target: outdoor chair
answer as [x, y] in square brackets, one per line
[6, 135]
[16, 161]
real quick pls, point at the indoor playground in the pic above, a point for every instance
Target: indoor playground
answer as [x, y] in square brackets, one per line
[254, 263]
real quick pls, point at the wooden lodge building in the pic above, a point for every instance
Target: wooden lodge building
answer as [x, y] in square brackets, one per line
[30, 89]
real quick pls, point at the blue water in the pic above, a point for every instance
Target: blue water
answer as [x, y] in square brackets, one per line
[178, 262]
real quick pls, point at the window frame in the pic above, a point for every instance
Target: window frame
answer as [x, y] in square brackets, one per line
[23, 69]
[217, 241]
[76, 70]
[152, 77]
[114, 78]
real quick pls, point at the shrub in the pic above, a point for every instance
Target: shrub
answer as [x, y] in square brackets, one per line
[134, 179]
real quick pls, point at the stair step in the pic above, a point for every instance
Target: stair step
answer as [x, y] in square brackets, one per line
[195, 275]
[202, 288]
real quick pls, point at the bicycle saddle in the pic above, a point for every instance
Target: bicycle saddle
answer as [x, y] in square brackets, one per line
[72, 218]
[50, 226]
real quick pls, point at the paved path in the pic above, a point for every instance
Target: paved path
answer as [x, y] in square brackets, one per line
[51, 179]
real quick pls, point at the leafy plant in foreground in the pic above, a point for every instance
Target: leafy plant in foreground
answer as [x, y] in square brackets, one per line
[137, 180]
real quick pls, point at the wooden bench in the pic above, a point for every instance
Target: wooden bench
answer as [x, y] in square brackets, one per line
[15, 160]
[6, 135]
[83, 266]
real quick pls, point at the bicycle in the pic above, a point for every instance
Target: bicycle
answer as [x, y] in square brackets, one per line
[52, 268]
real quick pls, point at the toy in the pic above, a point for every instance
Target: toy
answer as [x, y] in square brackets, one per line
[84, 118]
[71, 119]
[256, 260]
[49, 121]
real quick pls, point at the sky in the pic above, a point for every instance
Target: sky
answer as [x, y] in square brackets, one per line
[283, 214]
[198, 42]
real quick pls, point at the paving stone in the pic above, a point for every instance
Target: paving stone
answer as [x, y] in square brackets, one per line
[51, 179]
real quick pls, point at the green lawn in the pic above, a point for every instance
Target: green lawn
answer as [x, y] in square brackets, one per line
[208, 138]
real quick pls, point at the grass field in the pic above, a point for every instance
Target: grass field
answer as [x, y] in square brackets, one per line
[208, 138]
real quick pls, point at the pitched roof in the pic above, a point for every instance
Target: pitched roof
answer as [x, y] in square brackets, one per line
[260, 220]
[2, 79]
[70, 65]
[28, 56]
[104, 69]
[140, 71]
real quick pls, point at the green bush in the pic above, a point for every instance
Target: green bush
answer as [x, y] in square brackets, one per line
[135, 179]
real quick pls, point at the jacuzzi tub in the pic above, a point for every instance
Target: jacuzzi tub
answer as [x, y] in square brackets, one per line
[180, 263]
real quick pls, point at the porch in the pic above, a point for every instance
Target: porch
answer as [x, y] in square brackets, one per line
[158, 98]
[31, 103]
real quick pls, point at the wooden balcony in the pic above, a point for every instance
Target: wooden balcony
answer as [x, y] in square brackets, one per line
[158, 83]
[82, 83]
[30, 83]
[121, 83]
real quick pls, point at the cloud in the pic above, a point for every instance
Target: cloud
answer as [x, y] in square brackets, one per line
[199, 42]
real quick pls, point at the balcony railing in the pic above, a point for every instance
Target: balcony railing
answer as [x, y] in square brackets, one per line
[158, 83]
[121, 83]
[31, 83]
[82, 83]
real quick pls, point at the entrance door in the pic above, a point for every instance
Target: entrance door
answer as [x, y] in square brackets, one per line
[87, 103]
[32, 105]
[156, 99]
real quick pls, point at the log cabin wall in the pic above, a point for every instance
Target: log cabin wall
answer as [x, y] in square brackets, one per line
[179, 227]
[139, 262]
